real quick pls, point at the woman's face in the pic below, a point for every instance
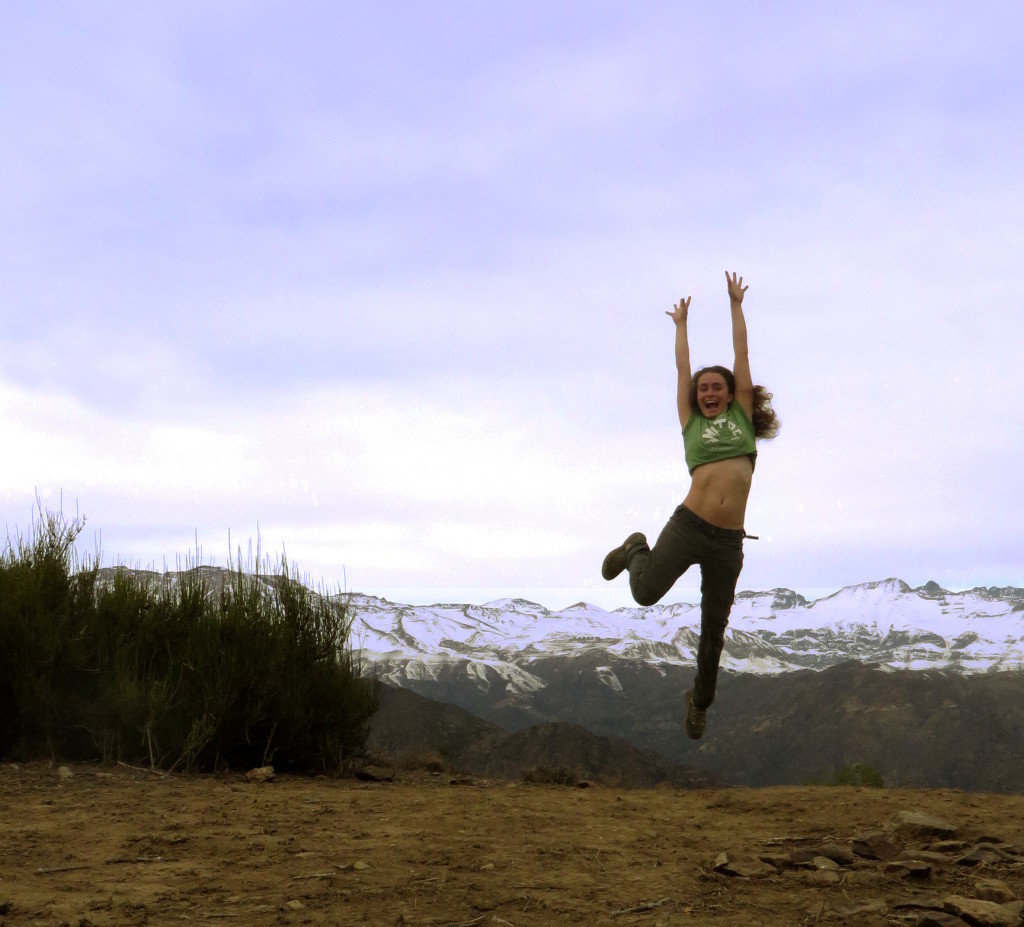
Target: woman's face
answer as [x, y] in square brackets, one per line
[713, 395]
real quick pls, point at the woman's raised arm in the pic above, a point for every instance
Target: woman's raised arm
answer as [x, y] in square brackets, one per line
[744, 394]
[681, 309]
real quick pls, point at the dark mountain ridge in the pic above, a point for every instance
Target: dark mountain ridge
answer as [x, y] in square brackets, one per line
[413, 729]
[917, 728]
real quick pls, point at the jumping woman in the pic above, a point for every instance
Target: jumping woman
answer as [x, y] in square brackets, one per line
[721, 412]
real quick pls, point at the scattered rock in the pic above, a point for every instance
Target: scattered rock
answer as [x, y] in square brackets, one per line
[261, 774]
[821, 877]
[912, 825]
[802, 856]
[732, 864]
[65, 773]
[824, 864]
[876, 854]
[926, 856]
[993, 890]
[359, 865]
[295, 905]
[908, 869]
[843, 855]
[984, 853]
[981, 913]
[875, 844]
[1015, 907]
[863, 877]
[939, 919]
[374, 774]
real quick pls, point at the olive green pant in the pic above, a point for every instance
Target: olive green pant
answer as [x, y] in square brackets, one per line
[688, 539]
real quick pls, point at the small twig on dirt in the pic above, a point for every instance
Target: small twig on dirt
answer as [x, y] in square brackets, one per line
[52, 869]
[647, 906]
[476, 920]
[155, 772]
[314, 875]
[118, 860]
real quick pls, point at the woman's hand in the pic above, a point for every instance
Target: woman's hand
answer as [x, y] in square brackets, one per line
[680, 310]
[736, 287]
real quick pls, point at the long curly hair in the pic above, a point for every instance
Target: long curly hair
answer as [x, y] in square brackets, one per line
[766, 423]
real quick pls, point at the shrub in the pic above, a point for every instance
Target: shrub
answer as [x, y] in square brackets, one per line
[856, 774]
[429, 761]
[173, 672]
[543, 775]
[45, 608]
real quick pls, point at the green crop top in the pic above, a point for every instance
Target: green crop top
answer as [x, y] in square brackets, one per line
[730, 434]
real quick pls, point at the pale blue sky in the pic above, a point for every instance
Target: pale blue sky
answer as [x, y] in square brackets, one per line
[388, 281]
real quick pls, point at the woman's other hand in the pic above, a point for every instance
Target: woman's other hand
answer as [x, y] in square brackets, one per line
[736, 287]
[678, 315]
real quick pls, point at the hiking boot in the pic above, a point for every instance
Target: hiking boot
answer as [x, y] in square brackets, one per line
[696, 718]
[618, 559]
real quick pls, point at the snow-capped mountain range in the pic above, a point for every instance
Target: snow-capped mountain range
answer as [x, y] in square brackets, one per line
[771, 632]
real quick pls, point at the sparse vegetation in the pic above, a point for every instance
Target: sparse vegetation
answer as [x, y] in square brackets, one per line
[423, 761]
[542, 775]
[858, 774]
[410, 761]
[176, 674]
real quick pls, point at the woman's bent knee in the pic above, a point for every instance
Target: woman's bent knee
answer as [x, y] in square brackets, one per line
[646, 597]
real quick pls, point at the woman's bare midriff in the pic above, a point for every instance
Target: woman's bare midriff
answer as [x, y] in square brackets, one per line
[719, 490]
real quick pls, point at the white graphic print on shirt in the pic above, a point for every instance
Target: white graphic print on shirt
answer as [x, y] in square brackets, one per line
[721, 434]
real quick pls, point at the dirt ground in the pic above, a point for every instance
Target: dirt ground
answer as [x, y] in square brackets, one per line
[116, 845]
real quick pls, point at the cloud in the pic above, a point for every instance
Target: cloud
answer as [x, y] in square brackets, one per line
[391, 284]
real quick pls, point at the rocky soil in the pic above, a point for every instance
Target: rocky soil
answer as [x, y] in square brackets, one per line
[88, 846]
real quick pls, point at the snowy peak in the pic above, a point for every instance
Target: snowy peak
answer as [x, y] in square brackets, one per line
[885, 622]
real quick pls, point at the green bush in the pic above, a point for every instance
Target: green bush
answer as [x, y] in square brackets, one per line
[45, 607]
[196, 670]
[856, 774]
